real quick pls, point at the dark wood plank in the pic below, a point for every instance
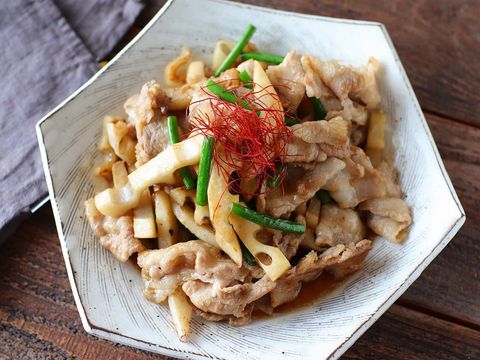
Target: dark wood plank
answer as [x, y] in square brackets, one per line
[451, 285]
[151, 8]
[406, 334]
[437, 40]
[11, 338]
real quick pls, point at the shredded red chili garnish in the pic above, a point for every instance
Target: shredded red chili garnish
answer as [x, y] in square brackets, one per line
[254, 142]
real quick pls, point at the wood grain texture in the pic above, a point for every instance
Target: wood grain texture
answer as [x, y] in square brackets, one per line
[437, 41]
[38, 318]
[406, 334]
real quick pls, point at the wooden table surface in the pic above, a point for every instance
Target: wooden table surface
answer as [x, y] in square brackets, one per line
[437, 318]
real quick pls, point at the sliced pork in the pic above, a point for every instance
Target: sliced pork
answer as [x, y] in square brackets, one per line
[338, 226]
[287, 78]
[330, 136]
[230, 300]
[358, 181]
[340, 260]
[352, 87]
[164, 270]
[300, 186]
[389, 217]
[300, 151]
[115, 234]
[289, 243]
[315, 87]
[147, 112]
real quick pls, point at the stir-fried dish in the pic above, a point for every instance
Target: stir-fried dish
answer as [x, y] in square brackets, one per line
[254, 174]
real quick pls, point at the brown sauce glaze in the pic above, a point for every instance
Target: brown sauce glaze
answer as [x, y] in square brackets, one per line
[309, 294]
[133, 260]
[290, 184]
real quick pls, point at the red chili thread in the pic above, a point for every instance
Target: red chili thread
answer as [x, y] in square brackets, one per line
[253, 146]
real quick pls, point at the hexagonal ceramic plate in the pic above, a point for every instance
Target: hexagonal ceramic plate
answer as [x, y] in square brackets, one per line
[109, 294]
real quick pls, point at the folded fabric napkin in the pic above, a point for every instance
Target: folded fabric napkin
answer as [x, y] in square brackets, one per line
[49, 49]
[100, 23]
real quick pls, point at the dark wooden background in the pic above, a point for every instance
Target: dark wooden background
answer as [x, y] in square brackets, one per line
[437, 318]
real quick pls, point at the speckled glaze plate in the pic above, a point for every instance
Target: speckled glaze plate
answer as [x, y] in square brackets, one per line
[108, 294]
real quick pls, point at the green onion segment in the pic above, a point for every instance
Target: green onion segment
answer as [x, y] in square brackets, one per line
[237, 49]
[259, 56]
[267, 221]
[246, 79]
[318, 110]
[324, 196]
[290, 121]
[247, 255]
[226, 95]
[175, 138]
[204, 171]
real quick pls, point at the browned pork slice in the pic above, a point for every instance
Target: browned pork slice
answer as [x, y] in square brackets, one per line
[368, 92]
[342, 80]
[289, 243]
[289, 286]
[315, 87]
[353, 87]
[231, 300]
[357, 182]
[300, 151]
[331, 136]
[358, 84]
[200, 109]
[339, 260]
[342, 260]
[147, 106]
[351, 111]
[232, 320]
[146, 111]
[333, 132]
[389, 217]
[115, 234]
[152, 141]
[338, 226]
[300, 186]
[288, 81]
[389, 173]
[358, 134]
[229, 79]
[216, 286]
[262, 304]
[164, 270]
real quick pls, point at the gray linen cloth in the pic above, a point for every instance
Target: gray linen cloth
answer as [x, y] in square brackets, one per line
[101, 23]
[43, 59]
